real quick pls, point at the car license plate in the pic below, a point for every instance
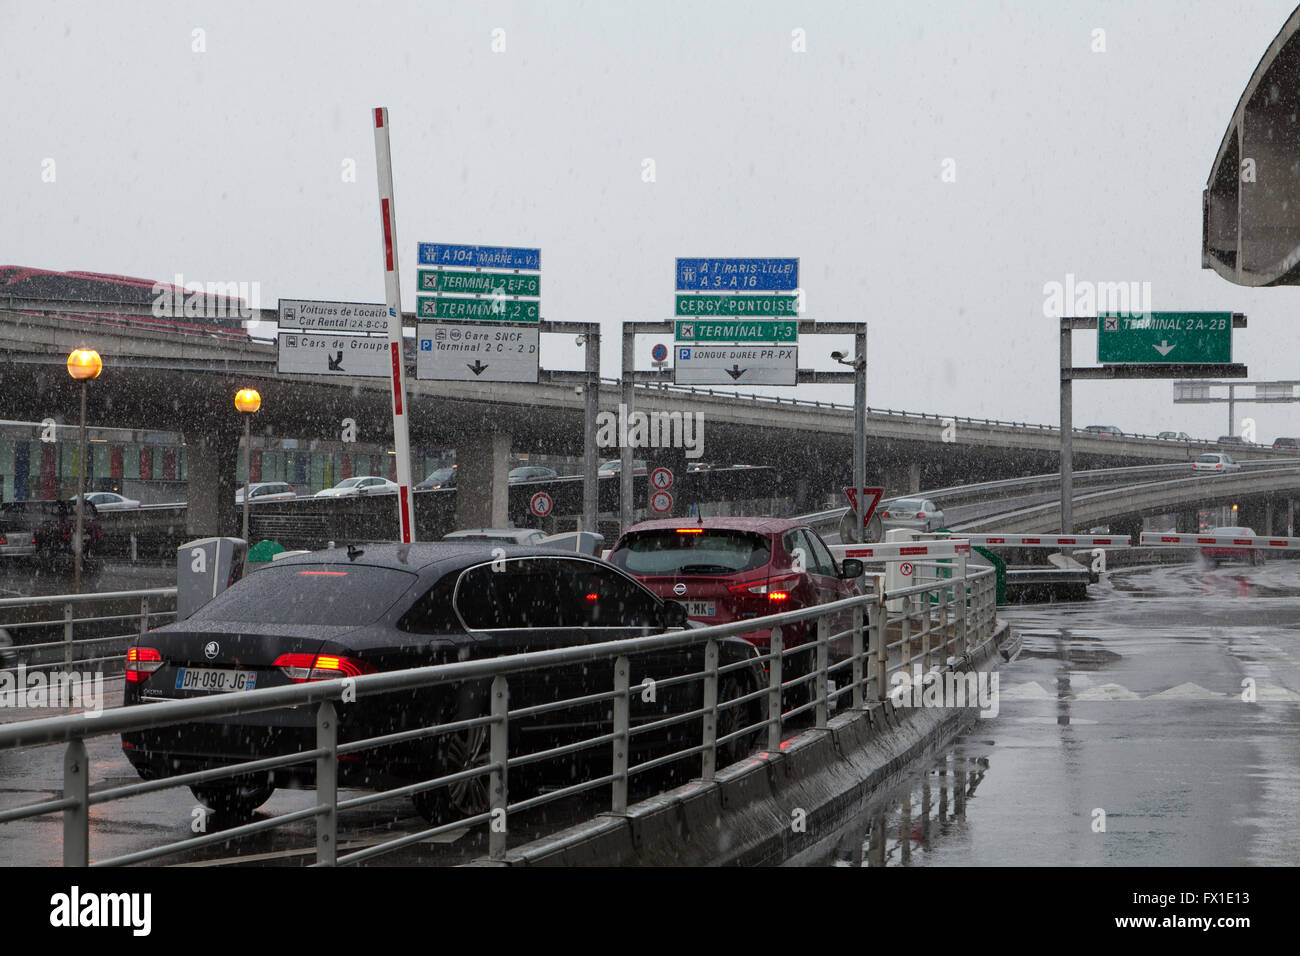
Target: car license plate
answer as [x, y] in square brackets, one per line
[701, 608]
[213, 679]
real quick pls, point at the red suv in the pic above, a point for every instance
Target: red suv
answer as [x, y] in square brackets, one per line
[730, 569]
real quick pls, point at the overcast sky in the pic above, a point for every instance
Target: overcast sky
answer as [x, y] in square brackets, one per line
[229, 164]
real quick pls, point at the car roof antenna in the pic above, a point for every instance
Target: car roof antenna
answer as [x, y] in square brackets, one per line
[354, 552]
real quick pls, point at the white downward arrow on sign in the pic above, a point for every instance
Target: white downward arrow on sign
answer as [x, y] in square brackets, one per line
[1164, 348]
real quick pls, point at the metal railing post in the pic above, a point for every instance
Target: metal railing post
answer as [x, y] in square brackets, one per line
[499, 754]
[879, 617]
[710, 740]
[76, 819]
[67, 634]
[823, 659]
[327, 784]
[857, 658]
[622, 712]
[774, 692]
[905, 645]
[960, 586]
[144, 616]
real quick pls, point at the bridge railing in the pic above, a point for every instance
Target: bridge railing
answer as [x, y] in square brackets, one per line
[795, 669]
[92, 629]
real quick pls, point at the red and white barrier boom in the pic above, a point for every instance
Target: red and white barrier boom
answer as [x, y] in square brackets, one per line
[902, 550]
[1159, 539]
[1048, 540]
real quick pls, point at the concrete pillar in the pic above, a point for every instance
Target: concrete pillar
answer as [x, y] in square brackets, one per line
[1268, 518]
[914, 478]
[210, 506]
[482, 473]
[1290, 517]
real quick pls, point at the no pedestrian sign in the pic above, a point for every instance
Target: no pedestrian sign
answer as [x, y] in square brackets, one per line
[541, 504]
[662, 479]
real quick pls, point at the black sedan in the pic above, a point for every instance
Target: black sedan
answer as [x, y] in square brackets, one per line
[359, 610]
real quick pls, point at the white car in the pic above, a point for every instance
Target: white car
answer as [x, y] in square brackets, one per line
[360, 485]
[109, 501]
[260, 491]
[1215, 461]
[526, 536]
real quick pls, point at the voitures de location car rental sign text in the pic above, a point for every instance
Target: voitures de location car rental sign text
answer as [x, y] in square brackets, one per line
[485, 324]
[333, 338]
[730, 336]
[1164, 338]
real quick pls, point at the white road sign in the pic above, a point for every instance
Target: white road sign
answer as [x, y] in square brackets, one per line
[478, 352]
[661, 478]
[321, 353]
[661, 502]
[736, 364]
[541, 504]
[315, 316]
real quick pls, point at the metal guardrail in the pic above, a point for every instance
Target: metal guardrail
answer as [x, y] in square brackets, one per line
[149, 607]
[941, 622]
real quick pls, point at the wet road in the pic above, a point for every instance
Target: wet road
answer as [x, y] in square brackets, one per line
[1129, 705]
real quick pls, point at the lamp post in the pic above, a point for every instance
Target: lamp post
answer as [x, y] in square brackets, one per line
[247, 401]
[83, 365]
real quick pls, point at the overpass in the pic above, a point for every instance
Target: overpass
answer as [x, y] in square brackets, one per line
[184, 383]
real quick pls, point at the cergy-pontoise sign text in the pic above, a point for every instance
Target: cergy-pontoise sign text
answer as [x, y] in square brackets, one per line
[1164, 338]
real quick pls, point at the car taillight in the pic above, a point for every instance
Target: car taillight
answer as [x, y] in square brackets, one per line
[301, 668]
[775, 590]
[141, 662]
[919, 514]
[884, 514]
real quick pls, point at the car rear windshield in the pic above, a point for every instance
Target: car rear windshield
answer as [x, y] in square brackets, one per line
[1209, 459]
[688, 551]
[346, 595]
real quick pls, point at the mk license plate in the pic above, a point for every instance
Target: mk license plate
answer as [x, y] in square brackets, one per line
[701, 608]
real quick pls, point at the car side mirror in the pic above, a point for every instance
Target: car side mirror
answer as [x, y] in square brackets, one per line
[674, 614]
[851, 568]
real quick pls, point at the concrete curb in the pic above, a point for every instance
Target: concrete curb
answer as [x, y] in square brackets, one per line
[747, 815]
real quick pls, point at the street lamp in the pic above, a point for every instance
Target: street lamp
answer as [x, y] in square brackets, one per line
[83, 365]
[247, 401]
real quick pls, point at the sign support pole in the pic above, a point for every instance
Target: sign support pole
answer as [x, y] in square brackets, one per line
[626, 511]
[860, 428]
[388, 222]
[1067, 429]
[590, 456]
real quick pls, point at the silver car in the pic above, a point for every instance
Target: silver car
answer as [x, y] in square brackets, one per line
[525, 536]
[917, 514]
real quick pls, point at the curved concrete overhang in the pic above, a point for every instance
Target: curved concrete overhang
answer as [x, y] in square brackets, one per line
[1250, 209]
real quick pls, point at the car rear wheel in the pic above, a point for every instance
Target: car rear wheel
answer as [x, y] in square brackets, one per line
[237, 799]
[462, 750]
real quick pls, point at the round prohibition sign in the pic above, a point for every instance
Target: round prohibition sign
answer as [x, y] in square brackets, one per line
[659, 353]
[541, 504]
[906, 569]
[661, 479]
[661, 502]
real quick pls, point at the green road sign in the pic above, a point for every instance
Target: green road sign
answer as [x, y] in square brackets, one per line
[1171, 338]
[741, 305]
[484, 283]
[737, 331]
[491, 309]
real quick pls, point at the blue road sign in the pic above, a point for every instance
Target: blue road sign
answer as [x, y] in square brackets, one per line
[482, 257]
[659, 353]
[762, 275]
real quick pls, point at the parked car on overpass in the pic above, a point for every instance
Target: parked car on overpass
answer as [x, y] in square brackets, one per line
[108, 501]
[388, 607]
[441, 478]
[1218, 462]
[615, 465]
[360, 485]
[1104, 430]
[1175, 436]
[1288, 443]
[532, 473]
[260, 491]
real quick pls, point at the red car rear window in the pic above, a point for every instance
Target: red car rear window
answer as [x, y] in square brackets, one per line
[713, 551]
